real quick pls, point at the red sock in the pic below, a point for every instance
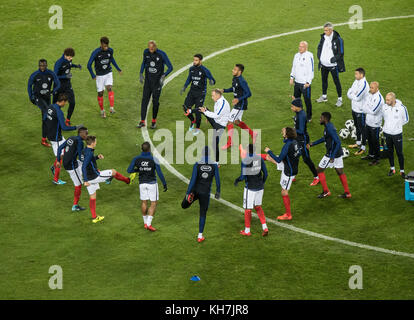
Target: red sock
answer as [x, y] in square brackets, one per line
[322, 179]
[111, 98]
[154, 120]
[245, 127]
[230, 128]
[261, 214]
[344, 182]
[77, 194]
[57, 171]
[286, 202]
[92, 206]
[263, 155]
[120, 177]
[247, 217]
[100, 102]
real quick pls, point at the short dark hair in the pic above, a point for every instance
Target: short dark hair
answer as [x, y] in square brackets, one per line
[240, 66]
[90, 140]
[146, 147]
[291, 133]
[326, 115]
[82, 129]
[70, 52]
[198, 55]
[105, 40]
[360, 70]
[62, 97]
[42, 61]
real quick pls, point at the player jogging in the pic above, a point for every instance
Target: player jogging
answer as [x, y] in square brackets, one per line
[241, 93]
[199, 188]
[103, 57]
[254, 173]
[39, 88]
[73, 147]
[332, 158]
[55, 123]
[62, 69]
[287, 162]
[92, 177]
[147, 167]
[197, 75]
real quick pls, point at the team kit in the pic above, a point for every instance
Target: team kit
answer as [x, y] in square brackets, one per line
[372, 116]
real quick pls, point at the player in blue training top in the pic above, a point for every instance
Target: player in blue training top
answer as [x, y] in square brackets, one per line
[103, 57]
[62, 69]
[332, 158]
[39, 88]
[254, 173]
[287, 162]
[153, 63]
[197, 76]
[147, 167]
[199, 188]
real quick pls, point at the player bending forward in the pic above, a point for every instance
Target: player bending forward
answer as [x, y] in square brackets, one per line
[146, 166]
[93, 177]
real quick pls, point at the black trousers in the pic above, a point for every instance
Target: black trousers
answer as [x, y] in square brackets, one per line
[67, 89]
[152, 87]
[42, 103]
[218, 132]
[195, 98]
[395, 141]
[306, 156]
[298, 91]
[372, 135]
[203, 201]
[335, 76]
[359, 122]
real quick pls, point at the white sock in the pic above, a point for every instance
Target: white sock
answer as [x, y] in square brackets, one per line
[149, 220]
[264, 226]
[340, 98]
[324, 96]
[392, 168]
[247, 230]
[145, 219]
[358, 143]
[363, 147]
[401, 170]
[200, 235]
[316, 178]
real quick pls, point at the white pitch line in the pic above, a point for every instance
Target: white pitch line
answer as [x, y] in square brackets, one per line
[174, 171]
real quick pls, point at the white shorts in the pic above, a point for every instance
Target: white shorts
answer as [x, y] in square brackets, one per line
[325, 163]
[102, 81]
[76, 175]
[285, 181]
[235, 114]
[148, 191]
[56, 145]
[94, 184]
[252, 198]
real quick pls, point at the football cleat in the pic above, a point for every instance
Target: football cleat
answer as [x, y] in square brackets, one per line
[245, 234]
[314, 182]
[109, 180]
[153, 125]
[59, 182]
[321, 99]
[294, 180]
[391, 172]
[103, 114]
[338, 103]
[285, 217]
[98, 218]
[196, 131]
[324, 194]
[151, 228]
[353, 146]
[265, 232]
[45, 143]
[141, 124]
[191, 127]
[145, 226]
[112, 110]
[77, 207]
[359, 152]
[190, 197]
[345, 195]
[201, 239]
[402, 174]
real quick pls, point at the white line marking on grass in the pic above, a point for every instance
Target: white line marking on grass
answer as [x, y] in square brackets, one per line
[170, 168]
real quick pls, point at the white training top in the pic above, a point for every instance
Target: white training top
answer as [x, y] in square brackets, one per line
[221, 112]
[394, 118]
[358, 93]
[373, 109]
[302, 67]
[327, 52]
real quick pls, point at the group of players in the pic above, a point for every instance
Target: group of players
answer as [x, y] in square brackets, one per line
[80, 161]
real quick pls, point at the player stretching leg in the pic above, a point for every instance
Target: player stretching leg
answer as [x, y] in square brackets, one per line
[146, 166]
[199, 188]
[251, 172]
[93, 177]
[332, 158]
[287, 162]
[103, 57]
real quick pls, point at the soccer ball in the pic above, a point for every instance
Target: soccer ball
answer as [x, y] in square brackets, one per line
[349, 124]
[353, 134]
[344, 133]
[345, 152]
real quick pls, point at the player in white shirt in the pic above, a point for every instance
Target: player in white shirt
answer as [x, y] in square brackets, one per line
[302, 75]
[218, 119]
[373, 110]
[357, 94]
[395, 116]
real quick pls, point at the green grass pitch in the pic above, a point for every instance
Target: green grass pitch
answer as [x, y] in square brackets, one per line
[118, 259]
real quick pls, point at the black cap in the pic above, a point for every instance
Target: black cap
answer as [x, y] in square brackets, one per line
[297, 102]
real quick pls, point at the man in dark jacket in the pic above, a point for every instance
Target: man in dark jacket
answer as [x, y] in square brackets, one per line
[331, 59]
